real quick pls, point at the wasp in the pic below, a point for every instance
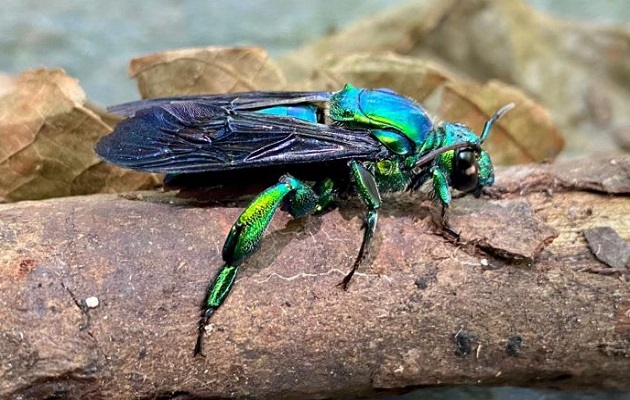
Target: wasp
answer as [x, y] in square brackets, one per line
[302, 151]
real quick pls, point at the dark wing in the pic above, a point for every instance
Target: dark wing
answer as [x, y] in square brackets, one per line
[232, 101]
[191, 137]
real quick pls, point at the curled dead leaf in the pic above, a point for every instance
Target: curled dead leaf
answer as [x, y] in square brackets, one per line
[205, 70]
[47, 137]
[525, 134]
[409, 76]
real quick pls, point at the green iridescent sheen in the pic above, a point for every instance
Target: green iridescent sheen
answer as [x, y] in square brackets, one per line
[221, 286]
[302, 201]
[390, 177]
[244, 237]
[354, 142]
[368, 192]
[450, 155]
[486, 169]
[440, 186]
[325, 190]
[447, 134]
[381, 108]
[397, 143]
[366, 185]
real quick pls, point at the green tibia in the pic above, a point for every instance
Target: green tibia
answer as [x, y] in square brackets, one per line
[366, 185]
[443, 194]
[367, 189]
[217, 292]
[381, 108]
[221, 286]
[440, 187]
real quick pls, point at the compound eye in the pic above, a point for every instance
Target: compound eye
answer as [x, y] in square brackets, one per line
[465, 173]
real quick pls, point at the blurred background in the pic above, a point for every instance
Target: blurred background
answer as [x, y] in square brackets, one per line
[94, 40]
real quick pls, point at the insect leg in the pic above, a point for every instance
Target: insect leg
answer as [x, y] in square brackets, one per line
[442, 193]
[368, 192]
[326, 192]
[245, 237]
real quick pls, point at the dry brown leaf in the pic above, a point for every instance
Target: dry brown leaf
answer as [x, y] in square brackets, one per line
[409, 76]
[47, 138]
[525, 134]
[395, 30]
[205, 70]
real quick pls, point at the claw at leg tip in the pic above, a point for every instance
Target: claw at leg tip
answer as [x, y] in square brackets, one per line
[343, 284]
[205, 318]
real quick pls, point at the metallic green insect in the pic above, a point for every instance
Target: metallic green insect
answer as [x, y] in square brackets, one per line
[307, 148]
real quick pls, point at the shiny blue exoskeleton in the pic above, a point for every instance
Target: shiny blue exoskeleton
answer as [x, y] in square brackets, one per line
[301, 151]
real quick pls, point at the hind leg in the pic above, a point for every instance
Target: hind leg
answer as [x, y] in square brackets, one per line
[246, 234]
[367, 191]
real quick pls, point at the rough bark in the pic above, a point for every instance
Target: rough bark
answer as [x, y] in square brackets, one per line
[507, 305]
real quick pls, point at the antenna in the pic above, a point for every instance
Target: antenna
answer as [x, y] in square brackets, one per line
[488, 125]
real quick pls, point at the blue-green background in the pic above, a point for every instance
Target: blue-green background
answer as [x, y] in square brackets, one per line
[93, 40]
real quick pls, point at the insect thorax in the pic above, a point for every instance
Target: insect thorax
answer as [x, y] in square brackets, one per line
[390, 176]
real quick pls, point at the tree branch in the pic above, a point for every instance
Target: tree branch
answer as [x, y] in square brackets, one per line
[504, 306]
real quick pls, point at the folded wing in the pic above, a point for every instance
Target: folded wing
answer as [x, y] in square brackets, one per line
[193, 135]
